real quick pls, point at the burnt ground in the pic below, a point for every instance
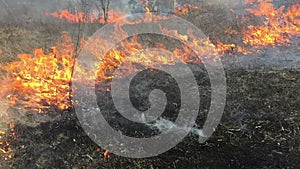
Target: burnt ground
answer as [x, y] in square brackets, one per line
[259, 129]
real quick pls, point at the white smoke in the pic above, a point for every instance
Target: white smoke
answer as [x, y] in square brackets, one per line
[163, 125]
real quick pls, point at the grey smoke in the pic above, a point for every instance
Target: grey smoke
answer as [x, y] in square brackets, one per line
[163, 125]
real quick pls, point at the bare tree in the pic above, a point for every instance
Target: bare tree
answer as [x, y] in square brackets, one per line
[4, 5]
[105, 5]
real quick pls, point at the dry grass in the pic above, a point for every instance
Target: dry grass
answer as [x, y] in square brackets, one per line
[3, 13]
[214, 20]
[15, 40]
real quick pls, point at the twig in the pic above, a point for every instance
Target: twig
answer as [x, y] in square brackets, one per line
[77, 45]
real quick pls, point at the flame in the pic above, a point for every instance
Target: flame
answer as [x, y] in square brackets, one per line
[231, 49]
[106, 154]
[186, 8]
[279, 24]
[146, 5]
[81, 17]
[277, 28]
[6, 150]
[40, 80]
[135, 56]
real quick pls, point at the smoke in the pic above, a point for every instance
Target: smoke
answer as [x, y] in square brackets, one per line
[163, 125]
[26, 11]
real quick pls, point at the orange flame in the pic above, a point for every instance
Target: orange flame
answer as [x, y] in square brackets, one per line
[279, 24]
[6, 150]
[231, 49]
[186, 8]
[106, 154]
[40, 80]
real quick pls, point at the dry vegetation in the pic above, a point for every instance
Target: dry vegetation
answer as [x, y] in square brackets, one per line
[260, 128]
[20, 37]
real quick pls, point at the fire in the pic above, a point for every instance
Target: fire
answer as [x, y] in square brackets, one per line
[146, 5]
[5, 147]
[231, 49]
[81, 17]
[279, 24]
[277, 28]
[134, 56]
[186, 8]
[6, 150]
[40, 80]
[106, 154]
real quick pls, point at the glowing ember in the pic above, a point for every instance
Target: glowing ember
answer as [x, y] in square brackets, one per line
[6, 151]
[106, 154]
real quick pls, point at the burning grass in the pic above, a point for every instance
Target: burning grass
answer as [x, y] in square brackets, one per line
[93, 17]
[41, 81]
[279, 25]
[37, 77]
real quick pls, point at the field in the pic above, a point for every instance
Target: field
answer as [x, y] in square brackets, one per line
[260, 127]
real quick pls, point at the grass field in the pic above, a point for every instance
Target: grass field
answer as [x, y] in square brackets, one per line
[260, 127]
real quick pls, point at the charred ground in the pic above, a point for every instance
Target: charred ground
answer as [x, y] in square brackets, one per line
[260, 129]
